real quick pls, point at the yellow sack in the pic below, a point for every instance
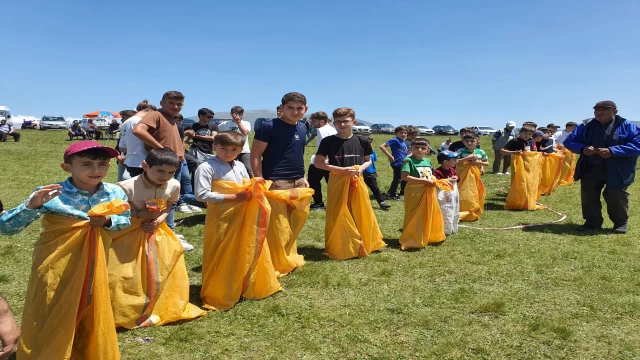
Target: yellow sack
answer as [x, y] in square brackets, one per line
[236, 261]
[67, 313]
[289, 212]
[568, 167]
[351, 228]
[526, 173]
[423, 221]
[472, 191]
[551, 167]
[148, 278]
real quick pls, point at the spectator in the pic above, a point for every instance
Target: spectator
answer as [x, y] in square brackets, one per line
[76, 130]
[320, 121]
[114, 127]
[91, 129]
[499, 140]
[562, 135]
[7, 130]
[123, 174]
[445, 145]
[243, 127]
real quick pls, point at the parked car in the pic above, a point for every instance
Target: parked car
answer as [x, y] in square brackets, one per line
[484, 130]
[30, 124]
[101, 123]
[361, 128]
[52, 122]
[259, 122]
[425, 131]
[444, 130]
[382, 129]
[188, 123]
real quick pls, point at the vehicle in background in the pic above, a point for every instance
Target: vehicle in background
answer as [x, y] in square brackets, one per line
[259, 122]
[425, 131]
[53, 122]
[188, 123]
[382, 129]
[30, 124]
[484, 130]
[101, 123]
[5, 114]
[444, 130]
[361, 128]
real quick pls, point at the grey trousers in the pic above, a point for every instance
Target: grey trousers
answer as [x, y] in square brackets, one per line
[498, 159]
[617, 199]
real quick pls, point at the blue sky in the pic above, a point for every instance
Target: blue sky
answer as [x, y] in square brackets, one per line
[401, 62]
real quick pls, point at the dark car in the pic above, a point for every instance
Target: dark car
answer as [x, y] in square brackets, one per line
[382, 129]
[259, 122]
[444, 130]
[188, 123]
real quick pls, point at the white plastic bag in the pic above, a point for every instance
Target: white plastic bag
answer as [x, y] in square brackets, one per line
[449, 202]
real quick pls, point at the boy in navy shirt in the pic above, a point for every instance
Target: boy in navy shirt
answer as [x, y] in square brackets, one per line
[397, 154]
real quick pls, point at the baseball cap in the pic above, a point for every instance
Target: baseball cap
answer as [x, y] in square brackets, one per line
[445, 155]
[511, 124]
[538, 133]
[552, 125]
[606, 103]
[86, 145]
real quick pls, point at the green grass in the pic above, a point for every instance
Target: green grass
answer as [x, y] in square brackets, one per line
[543, 292]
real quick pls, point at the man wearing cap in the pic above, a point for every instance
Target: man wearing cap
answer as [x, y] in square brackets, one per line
[7, 130]
[609, 147]
[500, 139]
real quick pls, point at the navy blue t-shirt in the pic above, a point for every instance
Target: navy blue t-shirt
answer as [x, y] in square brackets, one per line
[284, 156]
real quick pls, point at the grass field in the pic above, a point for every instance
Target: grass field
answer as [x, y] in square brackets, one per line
[543, 292]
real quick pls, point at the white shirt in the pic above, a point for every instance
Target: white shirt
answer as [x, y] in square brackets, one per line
[323, 132]
[444, 146]
[135, 147]
[561, 136]
[216, 169]
[232, 126]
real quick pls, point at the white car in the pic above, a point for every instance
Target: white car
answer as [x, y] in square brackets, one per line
[53, 122]
[361, 128]
[484, 130]
[425, 131]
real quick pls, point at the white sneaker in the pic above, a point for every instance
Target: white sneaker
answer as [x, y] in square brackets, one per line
[507, 173]
[194, 209]
[180, 236]
[184, 208]
[186, 246]
[499, 173]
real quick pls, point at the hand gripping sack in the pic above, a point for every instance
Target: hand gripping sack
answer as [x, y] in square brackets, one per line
[472, 191]
[289, 212]
[236, 262]
[423, 222]
[351, 228]
[551, 168]
[568, 167]
[449, 201]
[526, 173]
[67, 312]
[148, 278]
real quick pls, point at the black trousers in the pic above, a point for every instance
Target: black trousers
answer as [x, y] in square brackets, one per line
[314, 177]
[617, 199]
[371, 179]
[397, 180]
[4, 135]
[135, 171]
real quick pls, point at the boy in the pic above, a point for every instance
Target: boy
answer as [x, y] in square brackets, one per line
[447, 169]
[236, 261]
[417, 168]
[521, 144]
[458, 145]
[158, 291]
[396, 156]
[370, 176]
[546, 144]
[562, 135]
[78, 321]
[243, 127]
[472, 153]
[449, 201]
[320, 121]
[351, 228]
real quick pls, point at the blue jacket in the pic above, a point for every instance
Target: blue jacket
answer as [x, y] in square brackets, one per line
[624, 144]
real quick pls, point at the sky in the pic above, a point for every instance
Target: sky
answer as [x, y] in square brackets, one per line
[459, 63]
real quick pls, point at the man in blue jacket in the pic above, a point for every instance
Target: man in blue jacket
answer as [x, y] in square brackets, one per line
[609, 147]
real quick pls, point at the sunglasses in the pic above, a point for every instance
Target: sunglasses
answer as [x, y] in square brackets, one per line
[209, 117]
[344, 122]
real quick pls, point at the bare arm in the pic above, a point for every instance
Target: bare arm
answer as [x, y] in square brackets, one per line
[141, 131]
[383, 148]
[321, 164]
[9, 330]
[243, 129]
[257, 149]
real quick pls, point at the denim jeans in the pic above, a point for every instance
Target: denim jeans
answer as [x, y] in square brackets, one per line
[185, 183]
[123, 174]
[170, 218]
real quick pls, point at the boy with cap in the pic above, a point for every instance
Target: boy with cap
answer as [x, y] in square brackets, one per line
[69, 259]
[546, 144]
[449, 201]
[499, 140]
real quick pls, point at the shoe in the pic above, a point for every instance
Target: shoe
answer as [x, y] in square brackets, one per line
[507, 173]
[317, 206]
[498, 173]
[622, 229]
[184, 208]
[395, 198]
[194, 209]
[180, 236]
[186, 246]
[384, 205]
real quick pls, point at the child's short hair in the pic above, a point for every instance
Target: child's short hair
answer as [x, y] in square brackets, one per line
[344, 112]
[229, 138]
[237, 110]
[205, 112]
[530, 123]
[294, 96]
[400, 128]
[173, 95]
[527, 128]
[320, 115]
[162, 156]
[469, 137]
[125, 114]
[144, 104]
[179, 117]
[466, 130]
[571, 123]
[412, 130]
[544, 129]
[420, 142]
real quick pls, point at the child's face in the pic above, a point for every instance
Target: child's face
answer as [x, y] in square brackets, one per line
[462, 134]
[87, 173]
[412, 136]
[227, 153]
[537, 138]
[401, 134]
[344, 124]
[470, 143]
[525, 135]
[293, 111]
[419, 151]
[571, 128]
[159, 174]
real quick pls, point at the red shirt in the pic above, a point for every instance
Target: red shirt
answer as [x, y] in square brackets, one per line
[441, 173]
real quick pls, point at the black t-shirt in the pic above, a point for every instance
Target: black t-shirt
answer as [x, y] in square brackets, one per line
[547, 145]
[517, 144]
[206, 146]
[345, 152]
[455, 146]
[180, 131]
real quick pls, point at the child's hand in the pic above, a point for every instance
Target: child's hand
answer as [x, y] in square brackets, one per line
[99, 221]
[519, 152]
[453, 178]
[349, 171]
[44, 195]
[244, 196]
[391, 158]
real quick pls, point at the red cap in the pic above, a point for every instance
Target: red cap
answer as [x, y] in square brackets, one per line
[86, 145]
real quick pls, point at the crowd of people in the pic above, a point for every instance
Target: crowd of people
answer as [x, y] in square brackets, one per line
[132, 272]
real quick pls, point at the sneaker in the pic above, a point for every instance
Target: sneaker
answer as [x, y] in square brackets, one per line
[507, 173]
[395, 198]
[384, 206]
[186, 246]
[180, 236]
[194, 209]
[622, 229]
[184, 208]
[317, 206]
[499, 173]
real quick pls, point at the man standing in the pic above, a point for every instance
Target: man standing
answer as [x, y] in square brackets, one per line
[243, 127]
[320, 121]
[609, 147]
[500, 139]
[7, 130]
